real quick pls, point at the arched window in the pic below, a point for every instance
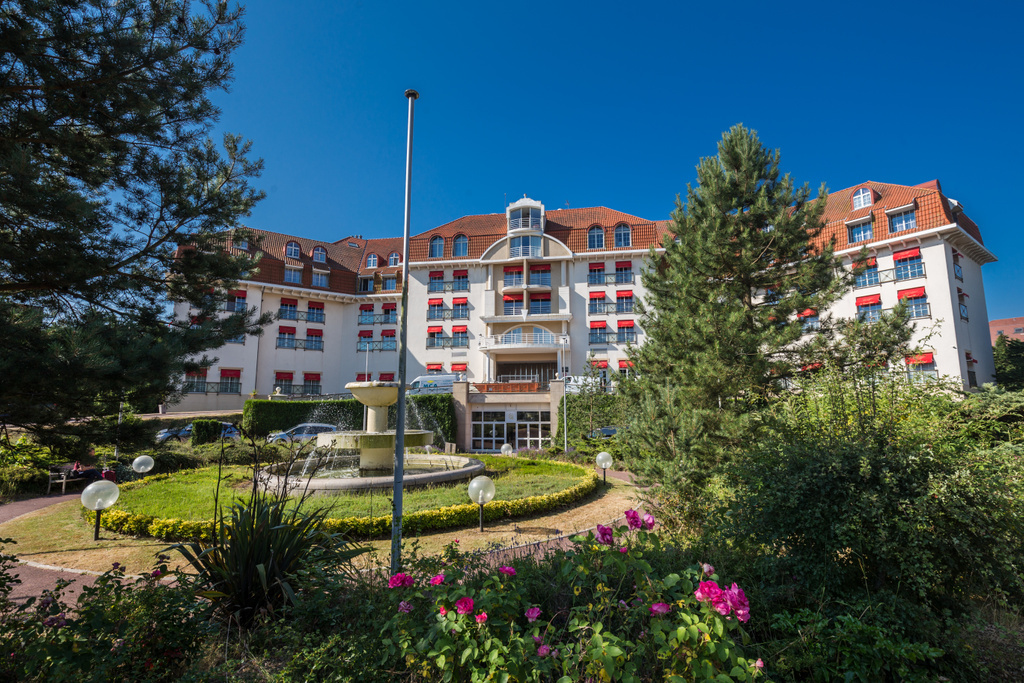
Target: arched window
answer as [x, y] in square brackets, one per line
[394, 259]
[320, 255]
[436, 247]
[862, 198]
[371, 261]
[292, 250]
[623, 237]
[460, 247]
[595, 237]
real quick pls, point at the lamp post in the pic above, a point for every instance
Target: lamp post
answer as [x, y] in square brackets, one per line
[481, 491]
[142, 464]
[98, 496]
[604, 461]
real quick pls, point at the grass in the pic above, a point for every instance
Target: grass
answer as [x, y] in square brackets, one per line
[190, 495]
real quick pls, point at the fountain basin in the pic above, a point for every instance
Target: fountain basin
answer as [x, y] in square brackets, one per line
[456, 467]
[375, 394]
[376, 449]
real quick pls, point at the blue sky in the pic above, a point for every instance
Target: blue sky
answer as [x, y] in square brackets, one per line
[613, 104]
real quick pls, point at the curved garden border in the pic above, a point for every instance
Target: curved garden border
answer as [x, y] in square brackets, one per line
[453, 516]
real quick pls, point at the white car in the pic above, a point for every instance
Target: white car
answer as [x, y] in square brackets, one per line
[301, 433]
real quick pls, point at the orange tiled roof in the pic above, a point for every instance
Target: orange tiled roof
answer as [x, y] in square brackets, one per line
[932, 210]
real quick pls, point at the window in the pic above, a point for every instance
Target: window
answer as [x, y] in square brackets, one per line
[394, 259]
[921, 368]
[514, 305]
[917, 307]
[289, 310]
[311, 383]
[436, 247]
[390, 313]
[389, 342]
[236, 301]
[622, 236]
[811, 321]
[902, 221]
[434, 368]
[283, 381]
[528, 247]
[524, 218]
[599, 332]
[860, 232]
[319, 254]
[911, 267]
[623, 272]
[460, 281]
[460, 309]
[292, 250]
[435, 309]
[366, 284]
[435, 338]
[489, 430]
[460, 337]
[868, 277]
[314, 340]
[239, 339]
[513, 336]
[1017, 330]
[365, 342]
[319, 279]
[596, 303]
[596, 275]
[390, 283]
[513, 276]
[371, 261]
[436, 283]
[242, 244]
[286, 338]
[540, 275]
[460, 247]
[540, 304]
[293, 275]
[315, 313]
[624, 302]
[862, 198]
[195, 382]
[869, 312]
[627, 333]
[595, 238]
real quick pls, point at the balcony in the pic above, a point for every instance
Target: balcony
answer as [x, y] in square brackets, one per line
[447, 342]
[307, 344]
[528, 251]
[448, 314]
[914, 312]
[523, 341]
[620, 337]
[507, 387]
[213, 388]
[299, 389]
[313, 316]
[608, 307]
[389, 344]
[448, 285]
[602, 279]
[910, 271]
[531, 223]
[378, 318]
[958, 272]
[239, 306]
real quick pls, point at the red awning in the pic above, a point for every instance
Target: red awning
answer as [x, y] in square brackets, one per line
[389, 307]
[435, 366]
[920, 359]
[460, 300]
[314, 333]
[437, 273]
[460, 273]
[540, 266]
[513, 297]
[625, 323]
[320, 305]
[915, 293]
[311, 376]
[387, 377]
[597, 295]
[230, 373]
[201, 372]
[458, 367]
[387, 333]
[906, 253]
[597, 324]
[289, 302]
[806, 313]
[362, 377]
[625, 363]
[435, 302]
[513, 269]
[623, 264]
[540, 297]
[623, 293]
[286, 330]
[365, 333]
[435, 329]
[872, 261]
[960, 292]
[237, 293]
[597, 266]
[459, 328]
[599, 363]
[869, 299]
[284, 375]
[365, 307]
[812, 366]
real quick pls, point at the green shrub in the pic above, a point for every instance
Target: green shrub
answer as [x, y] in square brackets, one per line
[206, 431]
[25, 453]
[16, 479]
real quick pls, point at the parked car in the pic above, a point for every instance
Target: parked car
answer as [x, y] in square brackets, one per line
[603, 433]
[432, 384]
[301, 433]
[228, 431]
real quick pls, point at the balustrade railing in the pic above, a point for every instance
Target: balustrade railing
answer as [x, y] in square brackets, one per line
[378, 318]
[313, 316]
[600, 279]
[898, 274]
[527, 339]
[308, 344]
[448, 286]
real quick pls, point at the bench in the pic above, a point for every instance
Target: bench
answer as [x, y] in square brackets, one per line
[63, 477]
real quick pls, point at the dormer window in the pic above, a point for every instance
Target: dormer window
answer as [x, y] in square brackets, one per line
[526, 217]
[320, 255]
[436, 247]
[862, 198]
[394, 259]
[595, 237]
[371, 261]
[292, 250]
[623, 237]
[460, 247]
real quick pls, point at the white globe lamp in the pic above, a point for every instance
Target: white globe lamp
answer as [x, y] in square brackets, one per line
[98, 496]
[604, 461]
[481, 491]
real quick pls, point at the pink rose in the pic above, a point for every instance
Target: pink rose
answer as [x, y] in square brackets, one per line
[759, 663]
[538, 640]
[623, 549]
[605, 535]
[660, 608]
[532, 614]
[648, 522]
[707, 569]
[464, 605]
[543, 650]
[737, 600]
[437, 580]
[633, 518]
[707, 591]
[404, 607]
[399, 580]
[481, 618]
[156, 573]
[507, 571]
[442, 610]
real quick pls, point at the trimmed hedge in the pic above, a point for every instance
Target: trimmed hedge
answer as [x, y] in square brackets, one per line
[206, 431]
[435, 412]
[18, 479]
[126, 522]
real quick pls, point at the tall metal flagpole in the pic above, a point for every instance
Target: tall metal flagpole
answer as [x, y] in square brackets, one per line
[396, 513]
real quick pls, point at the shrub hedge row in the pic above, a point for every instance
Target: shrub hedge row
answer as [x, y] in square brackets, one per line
[123, 521]
[206, 431]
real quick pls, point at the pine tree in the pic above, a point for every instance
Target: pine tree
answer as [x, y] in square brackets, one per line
[1009, 360]
[112, 200]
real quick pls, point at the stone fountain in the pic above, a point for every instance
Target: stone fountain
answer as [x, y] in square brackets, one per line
[376, 446]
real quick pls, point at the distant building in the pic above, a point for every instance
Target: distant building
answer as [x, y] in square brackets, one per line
[513, 301]
[1013, 328]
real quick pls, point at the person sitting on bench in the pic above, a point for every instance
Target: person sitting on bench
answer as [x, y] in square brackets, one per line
[90, 473]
